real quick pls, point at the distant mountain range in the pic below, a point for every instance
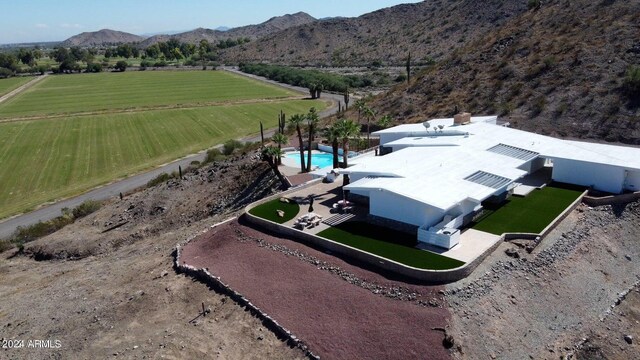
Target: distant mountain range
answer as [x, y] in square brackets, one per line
[253, 32]
[101, 38]
[108, 37]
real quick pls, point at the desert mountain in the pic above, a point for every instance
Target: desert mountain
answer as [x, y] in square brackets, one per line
[430, 30]
[253, 32]
[101, 38]
[558, 69]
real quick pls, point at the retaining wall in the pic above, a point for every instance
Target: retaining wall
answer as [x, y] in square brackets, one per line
[217, 285]
[611, 200]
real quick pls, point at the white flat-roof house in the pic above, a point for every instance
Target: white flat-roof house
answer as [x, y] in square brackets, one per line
[439, 172]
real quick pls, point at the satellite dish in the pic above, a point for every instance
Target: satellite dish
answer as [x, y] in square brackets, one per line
[426, 125]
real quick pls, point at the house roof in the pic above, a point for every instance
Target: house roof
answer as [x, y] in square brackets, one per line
[439, 167]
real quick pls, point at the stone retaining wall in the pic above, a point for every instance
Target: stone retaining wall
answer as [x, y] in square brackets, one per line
[611, 200]
[214, 282]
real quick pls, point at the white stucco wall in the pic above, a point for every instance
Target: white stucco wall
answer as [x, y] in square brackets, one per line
[533, 165]
[600, 176]
[632, 182]
[399, 208]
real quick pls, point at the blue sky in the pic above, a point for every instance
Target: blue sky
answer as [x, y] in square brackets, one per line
[47, 20]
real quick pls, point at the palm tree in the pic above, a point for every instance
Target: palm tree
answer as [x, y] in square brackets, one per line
[360, 105]
[270, 154]
[280, 139]
[346, 129]
[312, 121]
[333, 136]
[369, 114]
[296, 122]
[385, 121]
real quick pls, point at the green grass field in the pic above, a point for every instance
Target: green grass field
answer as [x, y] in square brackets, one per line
[77, 93]
[530, 214]
[7, 85]
[390, 244]
[268, 211]
[52, 158]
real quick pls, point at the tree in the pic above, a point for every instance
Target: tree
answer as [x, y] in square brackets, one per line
[312, 121]
[369, 114]
[360, 105]
[385, 121]
[296, 122]
[280, 139]
[152, 51]
[333, 136]
[26, 56]
[346, 129]
[121, 65]
[270, 154]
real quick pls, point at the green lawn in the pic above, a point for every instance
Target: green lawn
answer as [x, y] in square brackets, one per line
[43, 160]
[7, 85]
[75, 93]
[390, 244]
[530, 214]
[268, 211]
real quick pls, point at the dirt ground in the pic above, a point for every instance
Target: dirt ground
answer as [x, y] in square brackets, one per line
[340, 310]
[115, 294]
[543, 305]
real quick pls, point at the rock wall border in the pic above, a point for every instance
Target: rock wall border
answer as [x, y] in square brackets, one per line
[611, 200]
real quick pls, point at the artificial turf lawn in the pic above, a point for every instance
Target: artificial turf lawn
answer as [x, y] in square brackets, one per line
[8, 85]
[388, 243]
[77, 93]
[44, 160]
[268, 211]
[530, 214]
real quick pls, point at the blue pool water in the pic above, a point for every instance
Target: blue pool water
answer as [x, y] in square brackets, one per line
[320, 160]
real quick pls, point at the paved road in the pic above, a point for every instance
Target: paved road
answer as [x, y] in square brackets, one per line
[8, 226]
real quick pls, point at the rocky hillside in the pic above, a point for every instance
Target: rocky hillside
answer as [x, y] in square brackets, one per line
[430, 30]
[101, 38]
[268, 27]
[559, 69]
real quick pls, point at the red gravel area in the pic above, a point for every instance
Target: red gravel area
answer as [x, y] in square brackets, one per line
[336, 319]
[299, 179]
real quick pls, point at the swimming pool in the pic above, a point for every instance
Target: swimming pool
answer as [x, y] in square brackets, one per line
[321, 160]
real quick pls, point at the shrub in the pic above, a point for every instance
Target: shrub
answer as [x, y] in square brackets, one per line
[160, 63]
[144, 64]
[538, 105]
[533, 4]
[121, 65]
[5, 245]
[164, 177]
[93, 68]
[86, 208]
[214, 155]
[231, 145]
[631, 83]
[5, 73]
